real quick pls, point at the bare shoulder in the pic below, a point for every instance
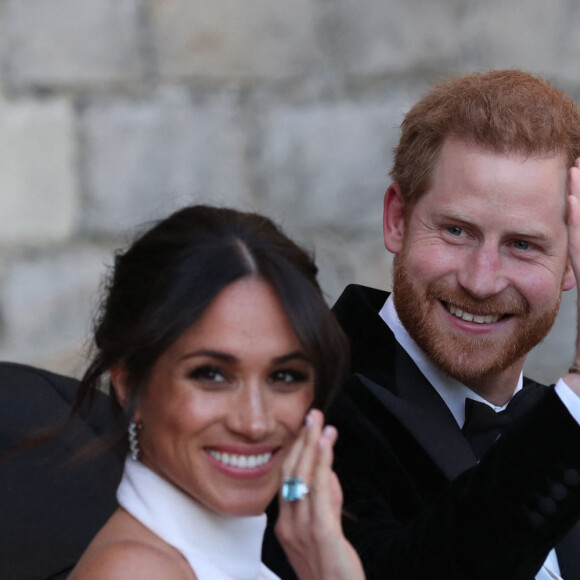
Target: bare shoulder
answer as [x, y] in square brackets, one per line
[133, 559]
[124, 548]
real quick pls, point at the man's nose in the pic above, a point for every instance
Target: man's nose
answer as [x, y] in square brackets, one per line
[483, 272]
[251, 414]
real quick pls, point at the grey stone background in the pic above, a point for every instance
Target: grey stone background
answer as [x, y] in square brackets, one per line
[115, 112]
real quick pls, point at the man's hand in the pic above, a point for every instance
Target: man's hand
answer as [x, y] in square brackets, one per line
[573, 379]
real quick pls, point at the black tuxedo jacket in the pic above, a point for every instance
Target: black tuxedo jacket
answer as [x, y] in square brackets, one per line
[417, 504]
[51, 506]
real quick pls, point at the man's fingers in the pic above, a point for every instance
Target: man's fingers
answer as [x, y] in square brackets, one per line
[574, 218]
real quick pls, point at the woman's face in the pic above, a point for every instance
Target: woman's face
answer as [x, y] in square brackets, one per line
[226, 401]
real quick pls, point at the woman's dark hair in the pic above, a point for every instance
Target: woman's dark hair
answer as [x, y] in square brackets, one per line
[167, 278]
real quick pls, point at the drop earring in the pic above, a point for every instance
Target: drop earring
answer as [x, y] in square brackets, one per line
[134, 428]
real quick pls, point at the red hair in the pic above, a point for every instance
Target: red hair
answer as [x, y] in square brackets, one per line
[503, 111]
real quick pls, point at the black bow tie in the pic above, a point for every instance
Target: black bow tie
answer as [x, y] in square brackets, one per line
[483, 425]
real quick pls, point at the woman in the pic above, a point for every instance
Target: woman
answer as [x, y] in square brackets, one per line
[217, 341]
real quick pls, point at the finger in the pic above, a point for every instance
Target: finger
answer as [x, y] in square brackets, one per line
[304, 467]
[299, 460]
[574, 179]
[294, 453]
[574, 238]
[574, 217]
[574, 231]
[291, 461]
[323, 494]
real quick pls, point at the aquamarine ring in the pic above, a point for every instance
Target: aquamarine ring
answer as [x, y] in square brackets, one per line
[294, 489]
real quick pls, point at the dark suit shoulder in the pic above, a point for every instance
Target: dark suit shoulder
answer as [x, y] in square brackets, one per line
[16, 375]
[32, 398]
[52, 505]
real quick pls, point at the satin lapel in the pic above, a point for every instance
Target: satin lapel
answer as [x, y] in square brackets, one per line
[387, 371]
[568, 552]
[424, 414]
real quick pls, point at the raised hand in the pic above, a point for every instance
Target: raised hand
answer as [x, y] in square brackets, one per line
[310, 528]
[573, 379]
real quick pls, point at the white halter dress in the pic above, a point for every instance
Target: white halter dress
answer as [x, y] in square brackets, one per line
[217, 547]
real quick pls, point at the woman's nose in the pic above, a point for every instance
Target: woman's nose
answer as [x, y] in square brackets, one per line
[251, 415]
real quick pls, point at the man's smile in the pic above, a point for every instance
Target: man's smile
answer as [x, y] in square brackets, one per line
[472, 317]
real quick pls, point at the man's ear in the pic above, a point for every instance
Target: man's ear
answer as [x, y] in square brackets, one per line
[394, 218]
[569, 279]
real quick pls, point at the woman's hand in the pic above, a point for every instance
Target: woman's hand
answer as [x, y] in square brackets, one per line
[573, 379]
[310, 528]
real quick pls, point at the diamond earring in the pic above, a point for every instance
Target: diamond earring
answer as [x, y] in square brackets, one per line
[134, 427]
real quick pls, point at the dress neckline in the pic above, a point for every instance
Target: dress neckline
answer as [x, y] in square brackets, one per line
[217, 547]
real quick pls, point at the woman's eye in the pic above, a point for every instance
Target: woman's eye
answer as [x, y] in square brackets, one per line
[207, 373]
[455, 230]
[288, 377]
[521, 245]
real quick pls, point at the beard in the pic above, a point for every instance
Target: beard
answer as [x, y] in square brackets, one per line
[468, 358]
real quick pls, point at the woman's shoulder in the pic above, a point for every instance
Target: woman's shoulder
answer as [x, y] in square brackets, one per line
[125, 548]
[133, 559]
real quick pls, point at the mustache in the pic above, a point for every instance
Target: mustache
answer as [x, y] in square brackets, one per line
[511, 303]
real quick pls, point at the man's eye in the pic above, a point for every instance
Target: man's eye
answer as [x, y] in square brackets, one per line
[454, 230]
[521, 245]
[207, 373]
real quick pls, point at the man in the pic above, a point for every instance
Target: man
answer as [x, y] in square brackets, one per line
[477, 219]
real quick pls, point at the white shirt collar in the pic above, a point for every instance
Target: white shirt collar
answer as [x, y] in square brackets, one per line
[451, 390]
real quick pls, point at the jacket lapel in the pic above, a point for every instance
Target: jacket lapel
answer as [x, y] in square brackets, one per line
[427, 418]
[388, 372]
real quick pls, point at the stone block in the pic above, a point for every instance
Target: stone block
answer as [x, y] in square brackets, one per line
[234, 39]
[541, 38]
[327, 164]
[47, 303]
[72, 42]
[145, 159]
[370, 37]
[343, 258]
[38, 185]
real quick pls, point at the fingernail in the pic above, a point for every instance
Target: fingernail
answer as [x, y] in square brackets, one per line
[308, 420]
[328, 431]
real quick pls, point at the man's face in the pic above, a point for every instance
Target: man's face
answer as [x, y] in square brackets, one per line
[482, 260]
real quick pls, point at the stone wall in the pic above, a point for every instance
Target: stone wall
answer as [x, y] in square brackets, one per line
[115, 112]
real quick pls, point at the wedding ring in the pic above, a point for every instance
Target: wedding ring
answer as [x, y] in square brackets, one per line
[294, 489]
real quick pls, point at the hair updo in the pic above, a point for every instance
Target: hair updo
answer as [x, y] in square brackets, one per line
[168, 277]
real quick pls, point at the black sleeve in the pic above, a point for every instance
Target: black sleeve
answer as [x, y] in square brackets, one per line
[497, 520]
[51, 508]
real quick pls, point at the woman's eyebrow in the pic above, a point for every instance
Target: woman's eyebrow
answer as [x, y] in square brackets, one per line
[225, 356]
[297, 354]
